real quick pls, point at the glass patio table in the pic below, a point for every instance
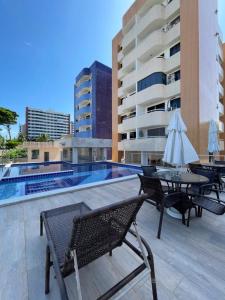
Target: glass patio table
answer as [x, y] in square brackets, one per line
[180, 178]
[177, 179]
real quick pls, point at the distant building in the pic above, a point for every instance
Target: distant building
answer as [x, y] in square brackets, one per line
[22, 129]
[93, 102]
[54, 124]
[72, 127]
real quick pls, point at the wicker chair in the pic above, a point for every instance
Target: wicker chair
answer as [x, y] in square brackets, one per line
[206, 189]
[157, 197]
[215, 206]
[148, 171]
[77, 236]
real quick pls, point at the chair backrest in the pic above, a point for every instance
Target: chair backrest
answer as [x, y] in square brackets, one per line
[220, 162]
[148, 170]
[152, 187]
[103, 229]
[192, 167]
[209, 173]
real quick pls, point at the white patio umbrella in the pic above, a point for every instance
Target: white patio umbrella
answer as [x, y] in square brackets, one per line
[179, 150]
[213, 143]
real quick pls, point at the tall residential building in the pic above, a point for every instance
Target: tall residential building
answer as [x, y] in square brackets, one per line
[71, 127]
[168, 55]
[54, 124]
[93, 102]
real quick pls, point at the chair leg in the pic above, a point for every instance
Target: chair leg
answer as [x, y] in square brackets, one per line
[160, 222]
[153, 280]
[47, 270]
[189, 215]
[110, 253]
[183, 219]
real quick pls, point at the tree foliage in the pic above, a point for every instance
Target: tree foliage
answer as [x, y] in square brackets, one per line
[8, 118]
[43, 138]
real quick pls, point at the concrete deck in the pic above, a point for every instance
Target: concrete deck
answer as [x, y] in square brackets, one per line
[189, 262]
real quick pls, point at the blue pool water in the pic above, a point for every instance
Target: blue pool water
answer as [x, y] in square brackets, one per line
[73, 175]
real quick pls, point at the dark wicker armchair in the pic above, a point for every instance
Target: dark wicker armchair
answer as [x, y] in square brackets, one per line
[205, 189]
[157, 197]
[214, 206]
[148, 171]
[77, 236]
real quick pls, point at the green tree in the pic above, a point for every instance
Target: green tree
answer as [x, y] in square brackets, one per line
[21, 137]
[2, 142]
[12, 144]
[8, 118]
[42, 138]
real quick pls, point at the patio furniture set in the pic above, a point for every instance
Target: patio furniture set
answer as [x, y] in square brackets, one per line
[77, 235]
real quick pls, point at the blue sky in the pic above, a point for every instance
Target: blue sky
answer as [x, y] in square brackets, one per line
[44, 44]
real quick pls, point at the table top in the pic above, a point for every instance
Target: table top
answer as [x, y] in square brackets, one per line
[213, 165]
[180, 177]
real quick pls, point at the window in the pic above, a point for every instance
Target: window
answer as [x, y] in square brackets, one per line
[156, 132]
[160, 106]
[173, 77]
[174, 49]
[154, 78]
[35, 154]
[123, 136]
[175, 103]
[133, 135]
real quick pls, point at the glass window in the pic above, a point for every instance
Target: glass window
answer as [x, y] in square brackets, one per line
[154, 78]
[174, 49]
[175, 103]
[160, 106]
[35, 154]
[133, 135]
[156, 132]
[123, 136]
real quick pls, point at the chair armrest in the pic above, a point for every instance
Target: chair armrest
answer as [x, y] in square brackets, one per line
[208, 185]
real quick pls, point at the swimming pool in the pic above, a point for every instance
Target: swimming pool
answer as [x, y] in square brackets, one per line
[70, 175]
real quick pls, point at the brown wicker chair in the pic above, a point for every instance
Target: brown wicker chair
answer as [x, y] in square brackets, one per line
[157, 197]
[77, 236]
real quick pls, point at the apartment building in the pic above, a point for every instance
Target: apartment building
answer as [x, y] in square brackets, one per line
[168, 55]
[93, 102]
[38, 122]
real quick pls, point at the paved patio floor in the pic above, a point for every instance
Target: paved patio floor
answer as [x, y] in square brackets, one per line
[189, 262]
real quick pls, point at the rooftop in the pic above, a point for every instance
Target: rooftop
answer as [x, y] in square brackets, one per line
[189, 262]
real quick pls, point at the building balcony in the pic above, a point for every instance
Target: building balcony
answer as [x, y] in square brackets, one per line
[84, 122]
[158, 64]
[120, 56]
[128, 103]
[120, 74]
[172, 89]
[84, 85]
[172, 36]
[128, 124]
[129, 80]
[157, 118]
[221, 127]
[84, 134]
[221, 90]
[221, 73]
[152, 144]
[221, 108]
[220, 50]
[129, 37]
[151, 95]
[154, 18]
[83, 98]
[172, 8]
[85, 109]
[152, 44]
[129, 59]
